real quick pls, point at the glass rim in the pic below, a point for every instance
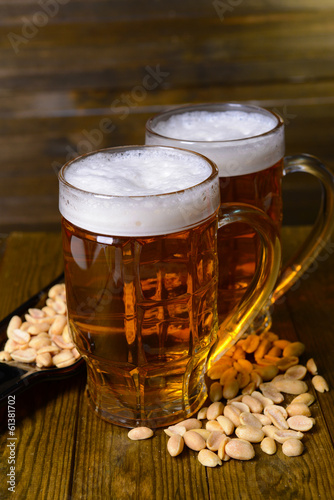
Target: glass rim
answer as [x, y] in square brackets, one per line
[61, 174]
[177, 110]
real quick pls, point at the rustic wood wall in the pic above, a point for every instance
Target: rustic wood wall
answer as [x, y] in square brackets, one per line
[77, 75]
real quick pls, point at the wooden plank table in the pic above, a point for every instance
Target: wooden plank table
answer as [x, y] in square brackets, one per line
[63, 451]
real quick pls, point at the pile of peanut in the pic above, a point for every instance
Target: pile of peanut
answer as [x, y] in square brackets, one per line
[247, 396]
[43, 338]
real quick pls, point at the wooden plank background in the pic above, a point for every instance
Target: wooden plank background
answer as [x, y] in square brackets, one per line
[77, 75]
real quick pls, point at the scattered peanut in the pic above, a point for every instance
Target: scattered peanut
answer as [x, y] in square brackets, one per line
[139, 433]
[253, 377]
[292, 447]
[320, 384]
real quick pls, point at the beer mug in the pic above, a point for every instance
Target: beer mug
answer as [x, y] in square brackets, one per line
[139, 229]
[247, 144]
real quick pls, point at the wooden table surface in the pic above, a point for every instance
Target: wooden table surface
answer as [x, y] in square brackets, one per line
[63, 451]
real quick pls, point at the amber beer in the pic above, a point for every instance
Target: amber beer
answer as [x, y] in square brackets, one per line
[139, 237]
[247, 144]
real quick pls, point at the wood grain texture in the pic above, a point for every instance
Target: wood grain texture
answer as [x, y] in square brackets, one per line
[65, 451]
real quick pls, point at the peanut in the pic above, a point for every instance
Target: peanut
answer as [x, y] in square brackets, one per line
[250, 420]
[214, 410]
[312, 367]
[254, 404]
[194, 441]
[283, 435]
[138, 433]
[191, 423]
[294, 349]
[208, 458]
[268, 445]
[291, 386]
[296, 372]
[300, 423]
[306, 398]
[292, 447]
[239, 449]
[249, 433]
[214, 440]
[175, 445]
[226, 424]
[320, 384]
[201, 415]
[298, 409]
[216, 392]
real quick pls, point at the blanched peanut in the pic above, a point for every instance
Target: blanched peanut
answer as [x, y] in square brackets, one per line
[291, 386]
[306, 398]
[241, 406]
[277, 417]
[250, 419]
[39, 342]
[37, 328]
[298, 409]
[229, 374]
[263, 400]
[44, 360]
[239, 449]
[194, 441]
[213, 425]
[249, 433]
[233, 414]
[264, 419]
[25, 356]
[139, 433]
[63, 359]
[270, 391]
[221, 450]
[254, 404]
[230, 389]
[268, 446]
[205, 433]
[297, 372]
[251, 343]
[320, 384]
[5, 356]
[300, 423]
[292, 447]
[312, 367]
[269, 430]
[214, 440]
[283, 435]
[191, 423]
[208, 458]
[216, 392]
[175, 445]
[287, 362]
[201, 415]
[226, 424]
[20, 337]
[294, 349]
[58, 325]
[36, 313]
[175, 429]
[214, 410]
[14, 323]
[267, 373]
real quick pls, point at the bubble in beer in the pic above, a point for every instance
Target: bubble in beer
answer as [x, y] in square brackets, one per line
[138, 191]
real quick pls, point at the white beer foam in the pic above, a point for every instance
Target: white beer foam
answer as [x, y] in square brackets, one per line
[232, 139]
[139, 192]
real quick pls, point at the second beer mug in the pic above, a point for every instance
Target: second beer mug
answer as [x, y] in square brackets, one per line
[247, 144]
[140, 250]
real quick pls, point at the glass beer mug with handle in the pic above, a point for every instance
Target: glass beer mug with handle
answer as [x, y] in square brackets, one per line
[247, 144]
[139, 229]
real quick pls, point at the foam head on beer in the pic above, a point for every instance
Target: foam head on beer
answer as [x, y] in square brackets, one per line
[239, 142]
[138, 191]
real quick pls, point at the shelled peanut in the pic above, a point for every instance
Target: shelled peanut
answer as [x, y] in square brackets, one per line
[249, 386]
[43, 339]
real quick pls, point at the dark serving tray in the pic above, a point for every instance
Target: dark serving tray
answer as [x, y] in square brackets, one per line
[16, 376]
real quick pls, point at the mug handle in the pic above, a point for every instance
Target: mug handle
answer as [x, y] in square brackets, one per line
[322, 228]
[264, 279]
